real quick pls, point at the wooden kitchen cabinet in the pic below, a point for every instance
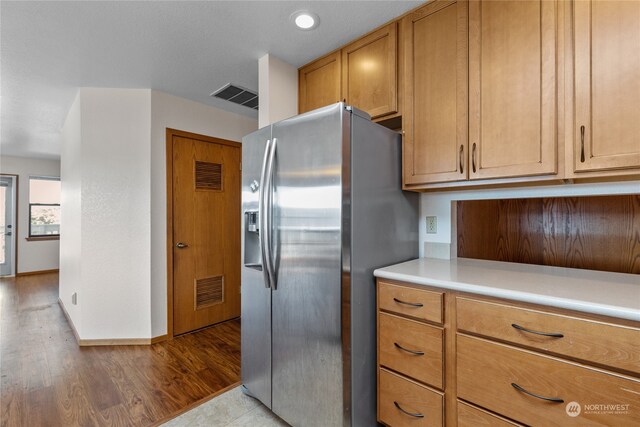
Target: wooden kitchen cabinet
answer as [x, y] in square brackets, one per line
[535, 389]
[512, 88]
[319, 83]
[606, 129]
[481, 346]
[370, 72]
[435, 120]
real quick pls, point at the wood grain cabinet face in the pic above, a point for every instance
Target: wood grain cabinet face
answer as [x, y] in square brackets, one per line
[420, 304]
[319, 83]
[435, 93]
[607, 85]
[411, 348]
[398, 394]
[487, 370]
[603, 343]
[512, 88]
[470, 416]
[369, 72]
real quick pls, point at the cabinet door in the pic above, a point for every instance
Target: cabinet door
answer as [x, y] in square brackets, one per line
[435, 93]
[369, 72]
[607, 85]
[512, 88]
[319, 83]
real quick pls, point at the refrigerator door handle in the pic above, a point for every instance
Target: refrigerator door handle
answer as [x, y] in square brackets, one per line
[268, 204]
[262, 220]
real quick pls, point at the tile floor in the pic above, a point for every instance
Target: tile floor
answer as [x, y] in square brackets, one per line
[230, 409]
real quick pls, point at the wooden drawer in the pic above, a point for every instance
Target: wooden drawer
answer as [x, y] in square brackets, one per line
[487, 370]
[418, 303]
[397, 334]
[470, 416]
[604, 343]
[411, 397]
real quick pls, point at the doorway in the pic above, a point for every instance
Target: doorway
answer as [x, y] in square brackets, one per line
[8, 225]
[203, 218]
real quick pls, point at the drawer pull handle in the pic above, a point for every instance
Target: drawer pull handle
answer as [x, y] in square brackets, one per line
[411, 414]
[537, 396]
[412, 304]
[545, 334]
[417, 353]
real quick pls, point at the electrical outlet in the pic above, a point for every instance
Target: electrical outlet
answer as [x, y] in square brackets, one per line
[432, 224]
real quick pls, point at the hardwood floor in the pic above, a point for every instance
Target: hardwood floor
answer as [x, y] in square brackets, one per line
[47, 380]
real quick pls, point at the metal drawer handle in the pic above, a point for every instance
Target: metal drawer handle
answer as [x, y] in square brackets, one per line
[411, 414]
[412, 304]
[473, 157]
[582, 144]
[417, 353]
[537, 396]
[545, 334]
[461, 159]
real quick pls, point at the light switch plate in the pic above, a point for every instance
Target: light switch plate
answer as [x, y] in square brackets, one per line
[432, 224]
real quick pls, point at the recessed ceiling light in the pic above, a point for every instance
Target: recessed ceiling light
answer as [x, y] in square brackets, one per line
[305, 20]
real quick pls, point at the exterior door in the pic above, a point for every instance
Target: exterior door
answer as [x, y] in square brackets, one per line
[206, 232]
[7, 231]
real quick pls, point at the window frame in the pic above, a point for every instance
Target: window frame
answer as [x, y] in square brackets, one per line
[41, 236]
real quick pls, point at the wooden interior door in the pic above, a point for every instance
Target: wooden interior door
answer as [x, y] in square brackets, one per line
[435, 93]
[607, 85]
[512, 88]
[319, 83]
[369, 72]
[206, 232]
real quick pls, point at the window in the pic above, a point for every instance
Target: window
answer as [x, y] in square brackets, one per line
[44, 206]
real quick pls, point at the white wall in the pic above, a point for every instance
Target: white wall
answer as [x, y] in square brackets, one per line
[34, 255]
[71, 215]
[116, 206]
[439, 204]
[168, 111]
[277, 90]
[113, 252]
[105, 257]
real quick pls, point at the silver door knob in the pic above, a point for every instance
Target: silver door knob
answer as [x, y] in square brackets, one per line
[181, 245]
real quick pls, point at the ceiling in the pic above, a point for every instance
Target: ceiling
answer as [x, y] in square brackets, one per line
[186, 48]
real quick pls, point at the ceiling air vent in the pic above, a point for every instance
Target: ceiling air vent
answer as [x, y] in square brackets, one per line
[238, 95]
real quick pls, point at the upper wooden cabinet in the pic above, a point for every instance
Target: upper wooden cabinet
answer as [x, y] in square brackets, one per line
[369, 72]
[512, 88]
[606, 129]
[497, 92]
[319, 83]
[435, 93]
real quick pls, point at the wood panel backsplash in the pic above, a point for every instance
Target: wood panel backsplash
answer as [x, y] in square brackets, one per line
[594, 232]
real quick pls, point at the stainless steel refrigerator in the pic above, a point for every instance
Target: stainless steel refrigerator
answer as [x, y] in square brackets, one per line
[322, 207]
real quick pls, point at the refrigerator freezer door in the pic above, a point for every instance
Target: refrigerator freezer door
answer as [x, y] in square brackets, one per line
[256, 297]
[307, 380]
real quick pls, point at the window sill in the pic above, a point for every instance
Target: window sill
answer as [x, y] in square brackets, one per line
[41, 238]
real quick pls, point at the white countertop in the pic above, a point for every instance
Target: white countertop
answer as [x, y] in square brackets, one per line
[598, 292]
